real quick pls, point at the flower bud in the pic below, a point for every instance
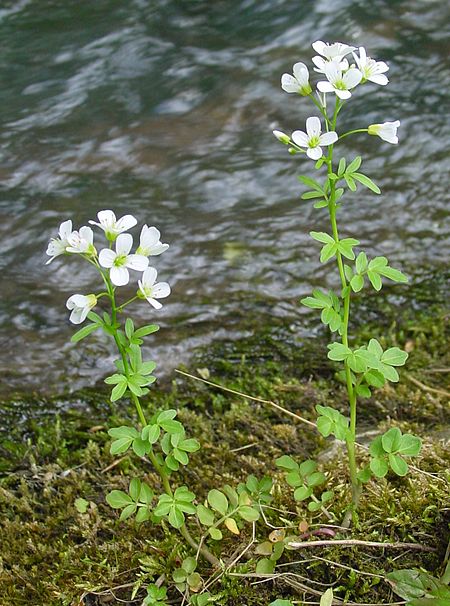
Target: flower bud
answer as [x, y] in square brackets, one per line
[386, 131]
[282, 137]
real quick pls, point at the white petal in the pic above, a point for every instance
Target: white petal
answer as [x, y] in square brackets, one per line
[87, 234]
[65, 229]
[119, 275]
[289, 84]
[70, 303]
[325, 87]
[149, 236]
[149, 277]
[107, 257]
[319, 62]
[319, 46]
[76, 317]
[332, 72]
[161, 290]
[379, 79]
[106, 217]
[362, 55]
[154, 303]
[382, 67]
[343, 94]
[124, 243]
[158, 249]
[300, 138]
[126, 222]
[84, 312]
[56, 248]
[137, 262]
[328, 138]
[76, 301]
[313, 127]
[352, 77]
[314, 152]
[301, 73]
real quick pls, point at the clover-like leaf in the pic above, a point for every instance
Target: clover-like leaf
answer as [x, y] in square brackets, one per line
[379, 467]
[117, 499]
[398, 465]
[218, 501]
[302, 493]
[249, 514]
[391, 439]
[205, 515]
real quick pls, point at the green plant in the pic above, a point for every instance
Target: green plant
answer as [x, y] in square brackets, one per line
[158, 437]
[366, 366]
[305, 478]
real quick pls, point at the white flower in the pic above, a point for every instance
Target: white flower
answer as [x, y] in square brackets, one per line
[370, 69]
[337, 82]
[386, 131]
[111, 226]
[80, 305]
[151, 291]
[312, 139]
[282, 137]
[57, 246]
[82, 241]
[120, 260]
[299, 82]
[331, 52]
[149, 243]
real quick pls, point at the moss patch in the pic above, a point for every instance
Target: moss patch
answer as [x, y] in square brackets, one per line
[57, 550]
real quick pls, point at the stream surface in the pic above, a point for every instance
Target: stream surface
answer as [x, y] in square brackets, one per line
[165, 110]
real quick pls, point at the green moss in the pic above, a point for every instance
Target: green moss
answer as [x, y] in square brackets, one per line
[52, 554]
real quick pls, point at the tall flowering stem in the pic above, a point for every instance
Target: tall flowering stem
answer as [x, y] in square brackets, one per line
[366, 366]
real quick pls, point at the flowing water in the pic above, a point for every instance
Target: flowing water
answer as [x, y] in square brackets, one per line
[165, 110]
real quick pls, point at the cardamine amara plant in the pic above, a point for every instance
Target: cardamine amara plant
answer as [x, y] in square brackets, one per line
[341, 70]
[158, 437]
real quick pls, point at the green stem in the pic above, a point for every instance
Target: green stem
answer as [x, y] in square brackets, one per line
[352, 132]
[322, 508]
[210, 557]
[350, 442]
[321, 108]
[120, 308]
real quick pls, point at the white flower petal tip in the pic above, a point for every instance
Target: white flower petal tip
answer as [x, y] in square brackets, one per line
[371, 70]
[120, 260]
[282, 137]
[112, 226]
[313, 139]
[150, 290]
[80, 305]
[386, 131]
[299, 82]
[149, 243]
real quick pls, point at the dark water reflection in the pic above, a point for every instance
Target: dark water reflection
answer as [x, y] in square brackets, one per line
[165, 110]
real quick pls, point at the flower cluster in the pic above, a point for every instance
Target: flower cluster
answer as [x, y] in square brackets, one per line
[113, 264]
[342, 77]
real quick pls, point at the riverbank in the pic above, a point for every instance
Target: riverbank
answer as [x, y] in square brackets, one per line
[62, 544]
